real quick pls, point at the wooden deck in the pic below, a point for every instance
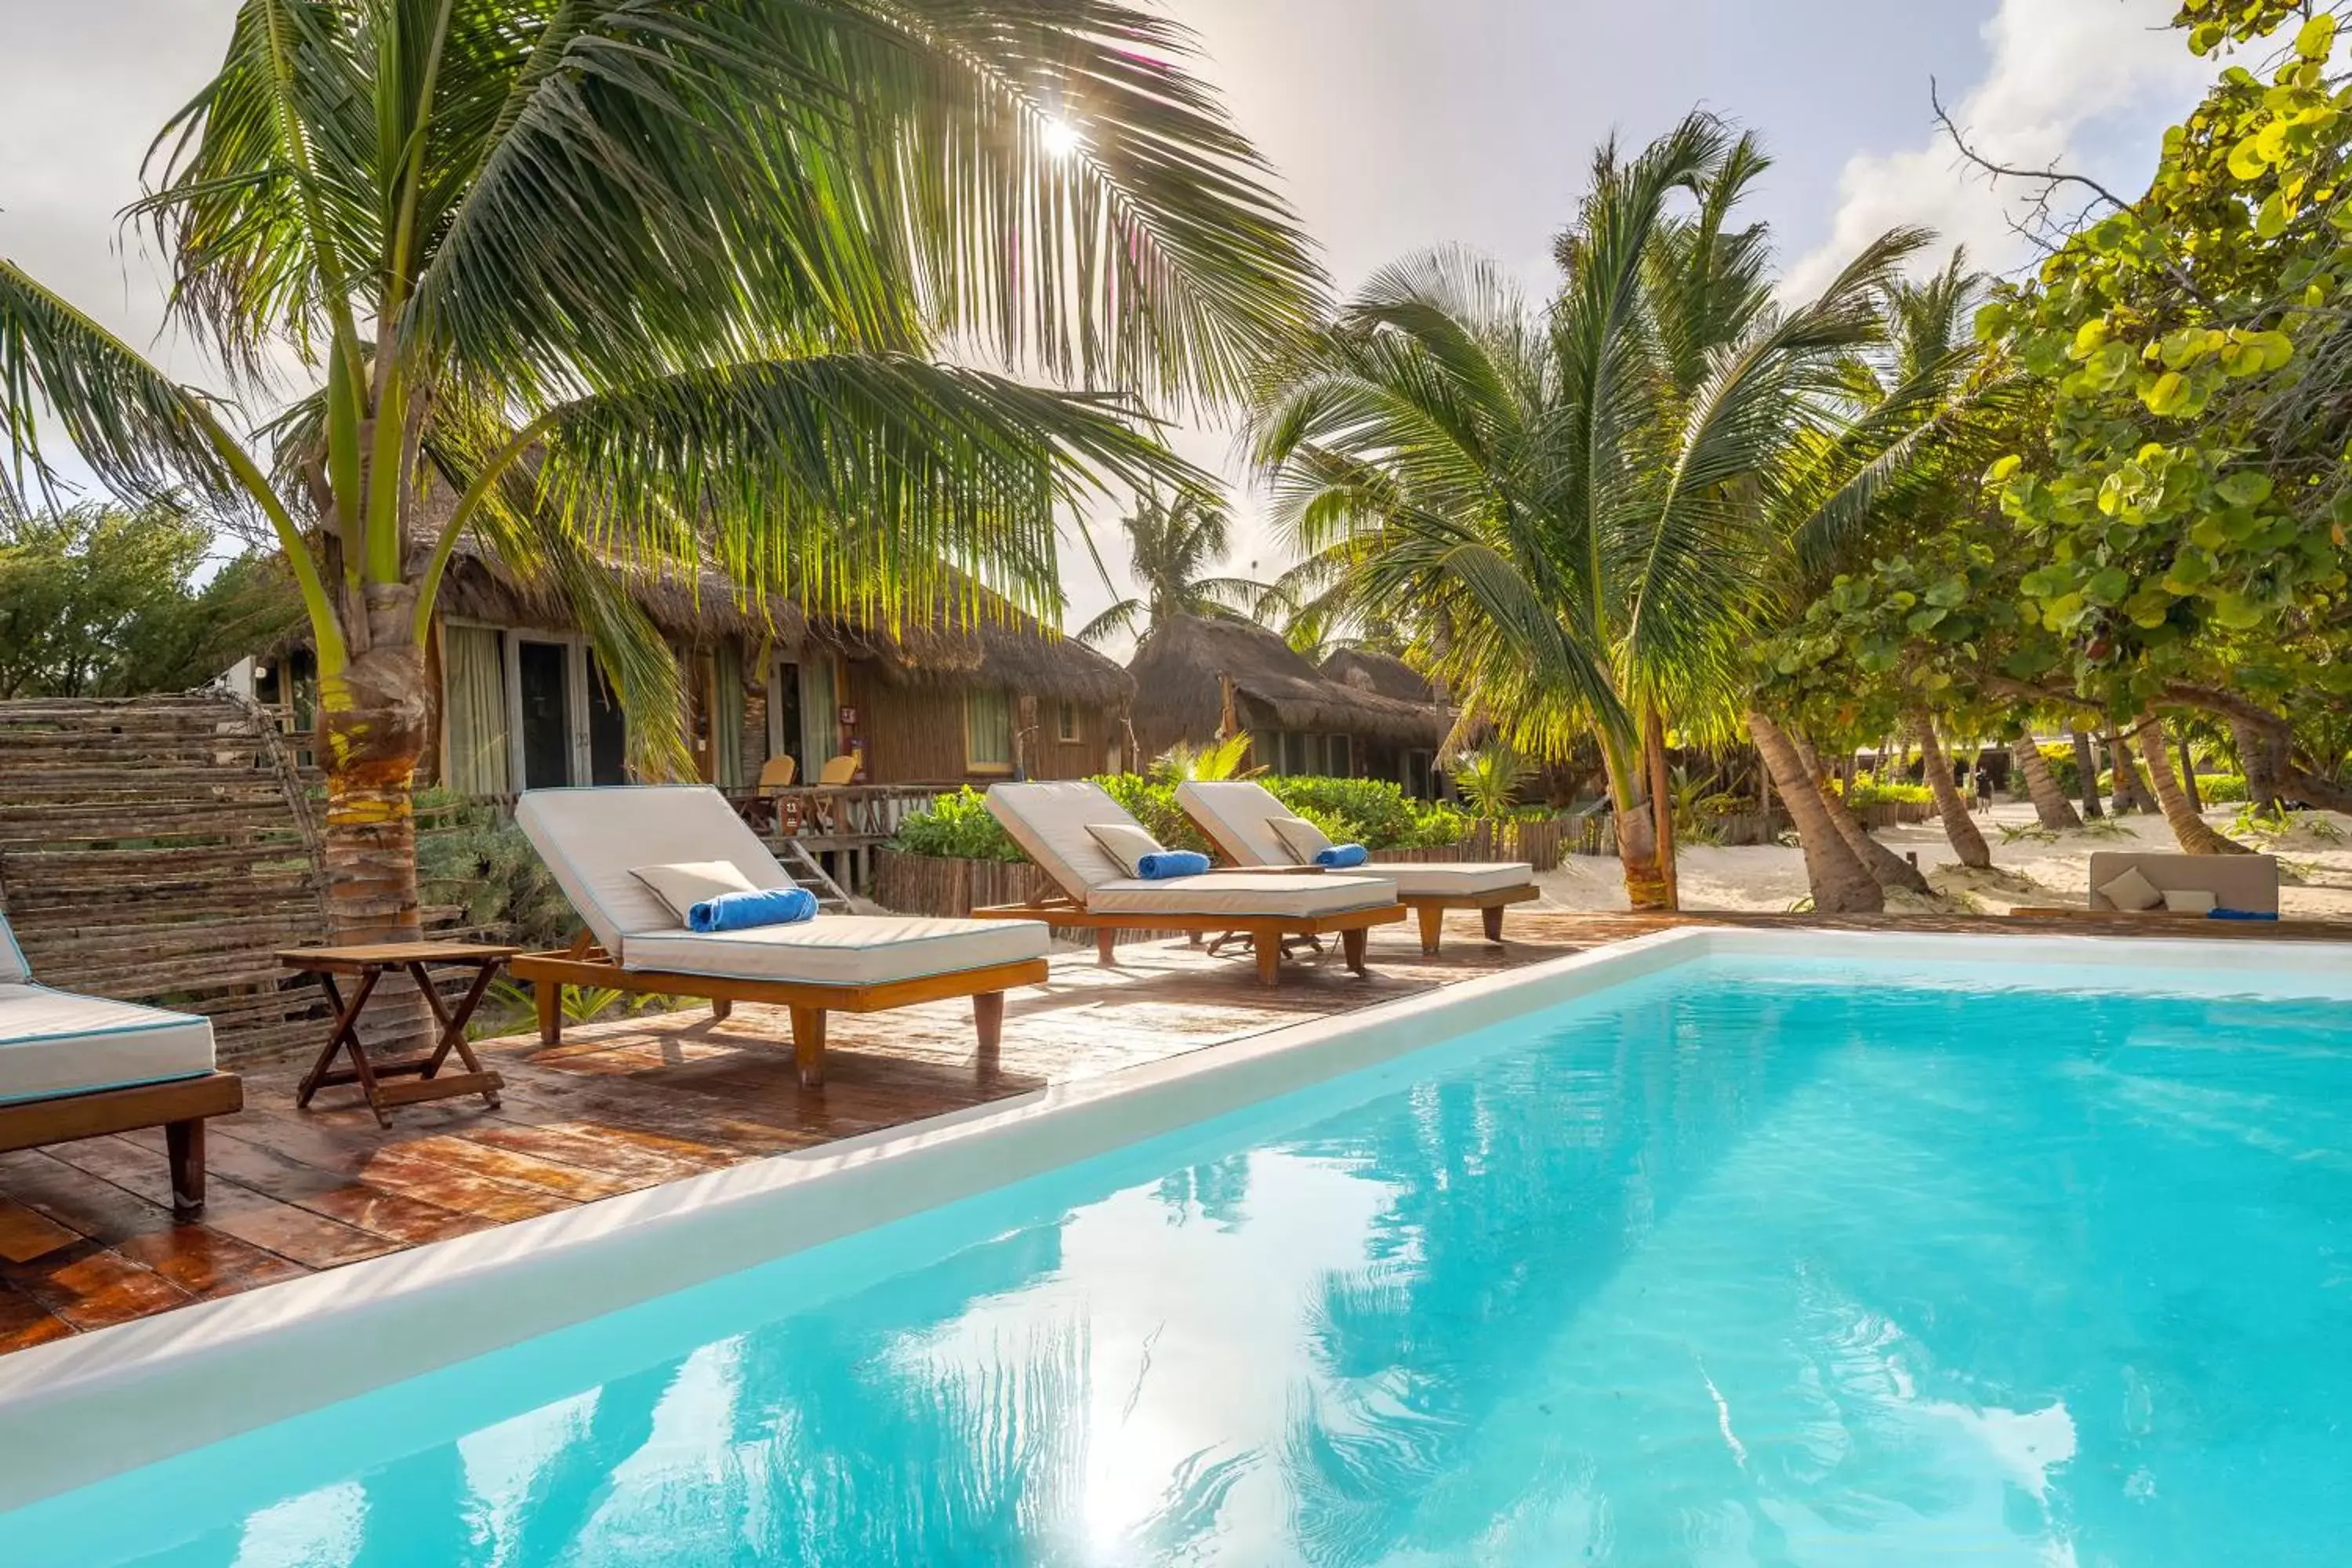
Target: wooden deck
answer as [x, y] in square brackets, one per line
[87, 1237]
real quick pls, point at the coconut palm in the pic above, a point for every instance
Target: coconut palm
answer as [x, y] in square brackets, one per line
[643, 283]
[1175, 545]
[1573, 506]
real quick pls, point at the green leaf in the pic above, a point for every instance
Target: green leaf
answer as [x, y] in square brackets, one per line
[2316, 39]
[2108, 586]
[2244, 488]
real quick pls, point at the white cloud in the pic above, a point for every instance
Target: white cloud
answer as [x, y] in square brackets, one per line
[2086, 83]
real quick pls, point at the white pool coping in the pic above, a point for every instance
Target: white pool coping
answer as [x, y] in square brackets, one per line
[78, 1410]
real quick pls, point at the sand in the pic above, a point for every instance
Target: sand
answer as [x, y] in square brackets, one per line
[2027, 868]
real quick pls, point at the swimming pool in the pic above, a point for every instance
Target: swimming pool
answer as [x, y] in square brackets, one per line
[1723, 1249]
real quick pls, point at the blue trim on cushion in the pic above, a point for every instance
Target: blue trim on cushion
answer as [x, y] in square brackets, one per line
[2221, 914]
[103, 1088]
[163, 1019]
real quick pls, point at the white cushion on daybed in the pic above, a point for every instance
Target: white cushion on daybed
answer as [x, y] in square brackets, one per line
[1240, 816]
[842, 949]
[54, 1043]
[591, 838]
[1240, 893]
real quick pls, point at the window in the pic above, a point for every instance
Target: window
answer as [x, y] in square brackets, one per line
[1065, 722]
[1337, 756]
[988, 731]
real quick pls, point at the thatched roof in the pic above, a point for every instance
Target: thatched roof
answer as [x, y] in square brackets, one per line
[1178, 668]
[968, 641]
[1385, 674]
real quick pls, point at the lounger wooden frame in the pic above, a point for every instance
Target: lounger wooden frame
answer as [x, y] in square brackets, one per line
[584, 963]
[1266, 933]
[1431, 907]
[178, 1107]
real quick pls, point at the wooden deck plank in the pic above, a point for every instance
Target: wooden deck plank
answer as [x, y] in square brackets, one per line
[85, 1238]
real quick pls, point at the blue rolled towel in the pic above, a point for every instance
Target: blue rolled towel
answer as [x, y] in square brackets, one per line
[1162, 864]
[749, 911]
[2239, 915]
[1342, 856]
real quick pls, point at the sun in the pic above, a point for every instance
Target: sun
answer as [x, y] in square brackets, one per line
[1060, 138]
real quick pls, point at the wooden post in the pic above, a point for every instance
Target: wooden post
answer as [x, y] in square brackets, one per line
[1267, 947]
[183, 1142]
[808, 1045]
[1228, 718]
[547, 995]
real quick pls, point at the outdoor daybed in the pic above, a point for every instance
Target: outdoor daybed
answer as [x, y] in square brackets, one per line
[1054, 824]
[595, 840]
[2183, 887]
[1239, 819]
[83, 1066]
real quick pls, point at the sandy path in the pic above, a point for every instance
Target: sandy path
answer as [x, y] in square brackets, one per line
[2026, 870]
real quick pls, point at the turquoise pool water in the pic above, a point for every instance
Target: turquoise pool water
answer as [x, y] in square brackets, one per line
[1732, 1265]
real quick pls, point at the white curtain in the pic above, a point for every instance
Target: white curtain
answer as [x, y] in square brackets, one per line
[820, 721]
[727, 718]
[987, 729]
[474, 711]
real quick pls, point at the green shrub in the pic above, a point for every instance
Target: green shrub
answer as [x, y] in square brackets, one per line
[1869, 791]
[474, 858]
[957, 827]
[2063, 766]
[2222, 789]
[1373, 813]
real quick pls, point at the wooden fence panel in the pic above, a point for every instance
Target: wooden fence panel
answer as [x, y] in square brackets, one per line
[160, 850]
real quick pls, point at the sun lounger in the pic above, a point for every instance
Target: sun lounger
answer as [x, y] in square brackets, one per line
[1051, 823]
[592, 839]
[1238, 818]
[82, 1067]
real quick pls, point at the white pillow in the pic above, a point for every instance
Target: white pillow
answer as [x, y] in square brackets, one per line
[2131, 891]
[1126, 845]
[1301, 837]
[2181, 902]
[684, 886]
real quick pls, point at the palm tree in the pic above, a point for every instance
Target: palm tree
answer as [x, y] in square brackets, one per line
[1573, 507]
[637, 283]
[1175, 545]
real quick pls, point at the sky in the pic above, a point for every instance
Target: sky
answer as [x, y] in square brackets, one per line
[1394, 125]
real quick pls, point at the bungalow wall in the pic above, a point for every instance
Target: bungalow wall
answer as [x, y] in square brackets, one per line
[942, 734]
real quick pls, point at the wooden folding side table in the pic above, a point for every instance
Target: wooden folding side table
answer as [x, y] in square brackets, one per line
[369, 962]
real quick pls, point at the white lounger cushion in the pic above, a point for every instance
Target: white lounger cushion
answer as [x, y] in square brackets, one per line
[591, 837]
[14, 969]
[1448, 878]
[54, 1043]
[1050, 821]
[842, 949]
[1240, 816]
[1239, 893]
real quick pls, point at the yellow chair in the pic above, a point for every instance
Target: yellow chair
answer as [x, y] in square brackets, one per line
[839, 772]
[779, 773]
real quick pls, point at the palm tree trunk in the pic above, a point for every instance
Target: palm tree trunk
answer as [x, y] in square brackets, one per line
[2131, 795]
[1840, 883]
[2086, 770]
[2188, 775]
[2050, 806]
[372, 722]
[1662, 803]
[2195, 836]
[1888, 868]
[1958, 825]
[2261, 756]
[1637, 829]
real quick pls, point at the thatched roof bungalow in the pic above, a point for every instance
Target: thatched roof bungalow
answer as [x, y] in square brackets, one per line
[1300, 719]
[978, 692]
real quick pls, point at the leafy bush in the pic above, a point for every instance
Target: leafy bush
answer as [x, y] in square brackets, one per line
[2222, 789]
[2063, 766]
[475, 857]
[1373, 813]
[957, 827]
[1868, 790]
